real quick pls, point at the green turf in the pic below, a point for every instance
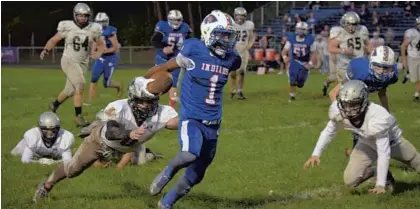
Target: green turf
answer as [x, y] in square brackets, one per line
[263, 144]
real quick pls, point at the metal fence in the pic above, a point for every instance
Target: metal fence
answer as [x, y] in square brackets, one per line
[130, 55]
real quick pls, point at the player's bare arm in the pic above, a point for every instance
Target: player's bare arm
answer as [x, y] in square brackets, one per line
[368, 46]
[51, 43]
[126, 158]
[404, 47]
[168, 66]
[172, 124]
[114, 47]
[100, 48]
[333, 47]
[334, 92]
[383, 97]
[284, 53]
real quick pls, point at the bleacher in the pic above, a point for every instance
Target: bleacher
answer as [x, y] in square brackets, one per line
[332, 15]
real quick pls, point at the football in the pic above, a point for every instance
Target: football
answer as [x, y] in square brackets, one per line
[161, 84]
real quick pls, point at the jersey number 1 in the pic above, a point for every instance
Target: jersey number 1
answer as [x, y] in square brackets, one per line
[213, 82]
[77, 44]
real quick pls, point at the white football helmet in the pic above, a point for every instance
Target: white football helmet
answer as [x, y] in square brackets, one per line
[382, 62]
[240, 15]
[102, 18]
[301, 28]
[218, 32]
[49, 124]
[175, 19]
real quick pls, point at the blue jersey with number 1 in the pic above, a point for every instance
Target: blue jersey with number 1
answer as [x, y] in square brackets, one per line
[172, 37]
[300, 50]
[204, 79]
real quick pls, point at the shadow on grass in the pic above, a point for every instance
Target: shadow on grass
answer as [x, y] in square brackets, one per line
[133, 191]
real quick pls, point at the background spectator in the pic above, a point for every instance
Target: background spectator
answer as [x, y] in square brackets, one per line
[386, 20]
[312, 23]
[376, 40]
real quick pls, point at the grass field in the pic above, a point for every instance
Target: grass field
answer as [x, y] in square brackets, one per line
[263, 144]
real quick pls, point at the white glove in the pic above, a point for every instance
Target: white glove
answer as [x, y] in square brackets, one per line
[46, 161]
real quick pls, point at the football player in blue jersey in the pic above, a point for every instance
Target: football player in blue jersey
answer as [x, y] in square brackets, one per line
[298, 55]
[377, 72]
[207, 65]
[107, 63]
[168, 38]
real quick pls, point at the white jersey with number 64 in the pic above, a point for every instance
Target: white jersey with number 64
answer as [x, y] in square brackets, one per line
[78, 41]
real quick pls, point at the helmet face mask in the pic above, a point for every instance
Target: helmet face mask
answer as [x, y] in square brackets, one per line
[352, 99]
[82, 14]
[49, 125]
[143, 108]
[175, 19]
[218, 33]
[382, 63]
[49, 135]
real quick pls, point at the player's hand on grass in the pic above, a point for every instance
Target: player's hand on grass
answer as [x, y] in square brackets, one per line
[378, 190]
[43, 53]
[312, 161]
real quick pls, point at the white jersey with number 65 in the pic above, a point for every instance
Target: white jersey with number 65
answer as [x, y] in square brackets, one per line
[78, 41]
[245, 32]
[413, 36]
[355, 41]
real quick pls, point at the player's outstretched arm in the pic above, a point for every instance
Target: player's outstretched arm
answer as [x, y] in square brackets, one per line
[383, 97]
[51, 43]
[114, 47]
[169, 66]
[126, 158]
[100, 48]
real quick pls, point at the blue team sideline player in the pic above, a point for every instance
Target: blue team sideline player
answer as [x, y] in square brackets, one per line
[207, 67]
[377, 72]
[168, 38]
[298, 55]
[107, 63]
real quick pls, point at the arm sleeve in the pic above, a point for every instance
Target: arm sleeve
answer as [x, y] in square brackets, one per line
[115, 131]
[384, 154]
[27, 155]
[325, 138]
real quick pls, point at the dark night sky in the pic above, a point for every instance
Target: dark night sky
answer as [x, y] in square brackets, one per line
[42, 17]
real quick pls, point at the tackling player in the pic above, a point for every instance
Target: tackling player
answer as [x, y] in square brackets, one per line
[207, 65]
[380, 138]
[246, 39]
[107, 63]
[377, 72]
[78, 35]
[411, 44]
[130, 123]
[299, 54]
[348, 41]
[168, 38]
[46, 144]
